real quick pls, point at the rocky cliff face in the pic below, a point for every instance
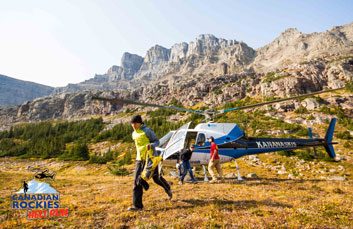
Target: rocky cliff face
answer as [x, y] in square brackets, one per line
[294, 47]
[15, 92]
[130, 64]
[117, 77]
[210, 70]
[154, 63]
[209, 56]
[65, 106]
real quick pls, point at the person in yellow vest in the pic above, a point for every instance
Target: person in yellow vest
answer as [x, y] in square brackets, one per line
[146, 159]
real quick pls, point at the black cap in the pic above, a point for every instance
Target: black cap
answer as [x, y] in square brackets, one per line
[136, 119]
[212, 138]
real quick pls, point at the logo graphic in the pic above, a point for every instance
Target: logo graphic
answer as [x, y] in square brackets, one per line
[40, 199]
[276, 144]
[45, 174]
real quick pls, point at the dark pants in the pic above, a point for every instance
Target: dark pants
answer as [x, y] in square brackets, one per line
[184, 169]
[138, 189]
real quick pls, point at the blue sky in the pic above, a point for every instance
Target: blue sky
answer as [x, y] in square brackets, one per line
[60, 42]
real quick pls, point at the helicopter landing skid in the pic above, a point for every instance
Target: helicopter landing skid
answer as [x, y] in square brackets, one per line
[205, 173]
[238, 171]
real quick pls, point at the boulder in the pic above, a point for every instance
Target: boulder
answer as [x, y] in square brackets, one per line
[310, 103]
[252, 175]
[231, 175]
[336, 178]
[291, 176]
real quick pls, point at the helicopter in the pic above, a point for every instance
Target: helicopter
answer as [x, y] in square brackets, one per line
[231, 140]
[45, 174]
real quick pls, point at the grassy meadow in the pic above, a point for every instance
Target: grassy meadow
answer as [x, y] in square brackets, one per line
[97, 199]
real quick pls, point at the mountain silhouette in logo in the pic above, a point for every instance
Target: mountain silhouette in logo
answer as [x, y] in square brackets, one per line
[38, 187]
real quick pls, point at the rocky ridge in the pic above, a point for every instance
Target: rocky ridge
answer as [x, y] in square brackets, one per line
[15, 92]
[211, 71]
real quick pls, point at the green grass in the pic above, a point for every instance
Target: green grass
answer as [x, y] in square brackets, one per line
[273, 76]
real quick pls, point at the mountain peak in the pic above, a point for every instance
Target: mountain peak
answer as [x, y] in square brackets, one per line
[128, 59]
[156, 54]
[207, 37]
[15, 92]
[290, 32]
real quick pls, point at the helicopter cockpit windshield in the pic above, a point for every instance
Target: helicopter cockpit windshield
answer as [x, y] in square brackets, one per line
[165, 139]
[177, 141]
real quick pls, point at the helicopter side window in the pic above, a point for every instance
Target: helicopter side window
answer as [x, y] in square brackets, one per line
[201, 139]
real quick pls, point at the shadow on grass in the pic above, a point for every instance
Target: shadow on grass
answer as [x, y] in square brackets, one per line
[226, 204]
[269, 181]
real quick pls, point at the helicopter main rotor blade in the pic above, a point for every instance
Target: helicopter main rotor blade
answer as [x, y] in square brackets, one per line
[127, 101]
[276, 101]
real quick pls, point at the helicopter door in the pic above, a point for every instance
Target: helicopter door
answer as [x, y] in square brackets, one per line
[200, 141]
[177, 141]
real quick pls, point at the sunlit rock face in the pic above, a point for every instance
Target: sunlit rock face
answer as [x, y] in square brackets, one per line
[207, 70]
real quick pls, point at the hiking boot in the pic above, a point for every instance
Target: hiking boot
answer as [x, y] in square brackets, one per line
[213, 181]
[134, 209]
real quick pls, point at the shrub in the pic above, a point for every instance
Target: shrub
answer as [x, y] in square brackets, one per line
[77, 152]
[272, 76]
[125, 160]
[287, 153]
[310, 117]
[47, 139]
[8, 147]
[302, 132]
[301, 110]
[175, 102]
[349, 86]
[306, 154]
[217, 91]
[117, 170]
[348, 144]
[344, 135]
[109, 156]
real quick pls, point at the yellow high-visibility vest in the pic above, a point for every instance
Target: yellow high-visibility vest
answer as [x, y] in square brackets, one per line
[141, 142]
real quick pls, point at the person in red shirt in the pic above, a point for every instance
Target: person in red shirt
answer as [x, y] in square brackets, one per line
[214, 161]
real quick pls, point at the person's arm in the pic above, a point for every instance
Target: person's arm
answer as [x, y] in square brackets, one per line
[154, 141]
[213, 151]
[189, 154]
[179, 156]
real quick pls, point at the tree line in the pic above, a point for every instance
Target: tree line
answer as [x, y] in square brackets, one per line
[69, 140]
